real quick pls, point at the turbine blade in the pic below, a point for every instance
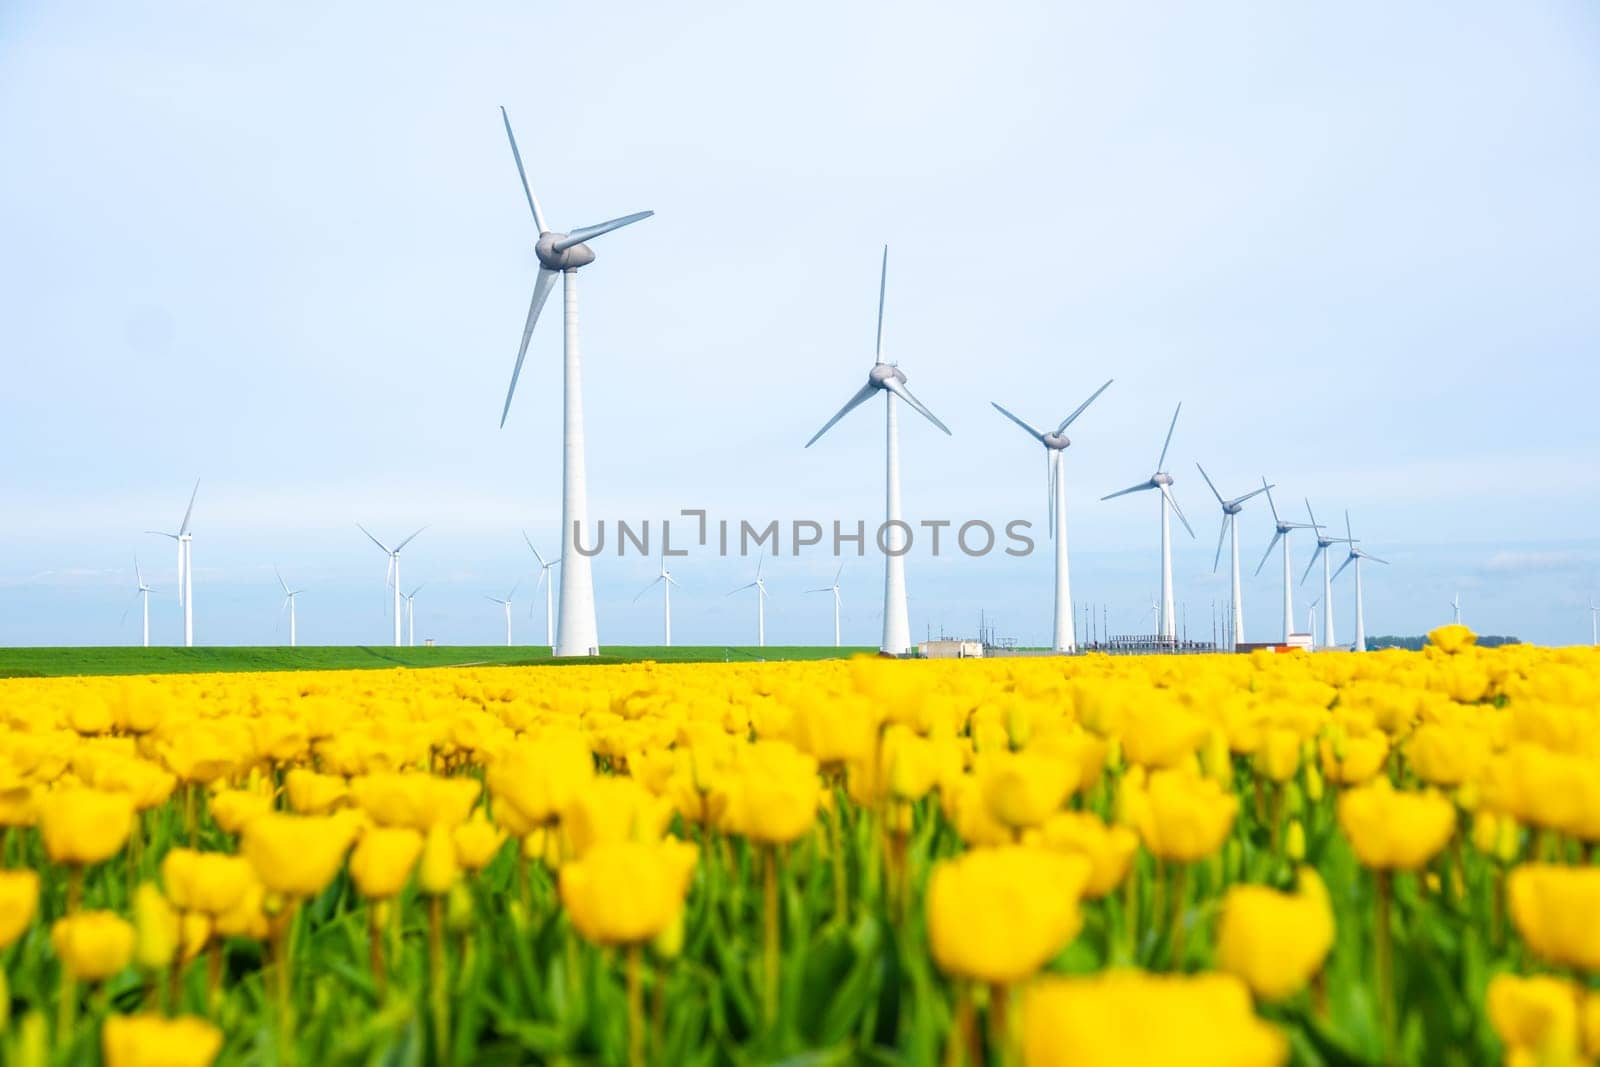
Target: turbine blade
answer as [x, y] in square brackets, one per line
[1347, 561]
[1251, 493]
[374, 540]
[828, 590]
[408, 540]
[158, 533]
[898, 388]
[1374, 559]
[541, 292]
[1217, 562]
[1268, 490]
[837, 573]
[1347, 531]
[1037, 435]
[1312, 562]
[137, 576]
[1174, 502]
[533, 203]
[862, 395]
[1315, 525]
[646, 589]
[190, 511]
[1214, 492]
[883, 284]
[589, 233]
[1276, 537]
[1080, 408]
[741, 589]
[281, 582]
[1130, 489]
[1168, 442]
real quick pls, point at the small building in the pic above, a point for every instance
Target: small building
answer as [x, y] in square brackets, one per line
[951, 648]
[1301, 642]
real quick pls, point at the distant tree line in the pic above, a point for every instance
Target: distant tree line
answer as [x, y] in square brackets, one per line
[1416, 643]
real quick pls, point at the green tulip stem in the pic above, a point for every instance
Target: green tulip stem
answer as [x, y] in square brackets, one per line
[960, 1045]
[635, 1006]
[841, 870]
[1385, 948]
[66, 1009]
[380, 975]
[438, 993]
[769, 885]
[1180, 873]
[74, 888]
[281, 930]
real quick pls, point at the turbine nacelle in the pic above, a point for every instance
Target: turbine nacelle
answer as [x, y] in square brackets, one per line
[1160, 478]
[1056, 441]
[569, 258]
[884, 373]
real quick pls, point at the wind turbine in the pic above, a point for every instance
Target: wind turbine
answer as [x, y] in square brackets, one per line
[547, 580]
[1282, 534]
[1064, 637]
[144, 592]
[1455, 607]
[760, 586]
[185, 541]
[1230, 524]
[577, 633]
[411, 615]
[666, 581]
[1163, 481]
[288, 602]
[506, 603]
[834, 589]
[1311, 620]
[890, 380]
[1356, 556]
[392, 576]
[1594, 624]
[1323, 543]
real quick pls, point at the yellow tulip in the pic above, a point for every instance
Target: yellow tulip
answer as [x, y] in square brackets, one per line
[614, 809]
[1109, 849]
[626, 892]
[1351, 759]
[383, 859]
[1554, 909]
[477, 842]
[1000, 914]
[84, 826]
[1123, 1018]
[1275, 941]
[19, 902]
[1392, 830]
[92, 945]
[1537, 1016]
[537, 780]
[297, 855]
[159, 1041]
[773, 798]
[235, 809]
[1452, 639]
[311, 793]
[246, 918]
[209, 882]
[415, 800]
[1181, 816]
[1024, 788]
[156, 928]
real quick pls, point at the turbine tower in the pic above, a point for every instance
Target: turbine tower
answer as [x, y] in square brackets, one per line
[760, 586]
[1064, 637]
[411, 615]
[506, 603]
[1594, 624]
[185, 541]
[1284, 529]
[666, 581]
[1311, 620]
[834, 589]
[1356, 556]
[888, 379]
[548, 581]
[1455, 608]
[577, 633]
[288, 602]
[1230, 525]
[143, 592]
[392, 576]
[1163, 481]
[1323, 543]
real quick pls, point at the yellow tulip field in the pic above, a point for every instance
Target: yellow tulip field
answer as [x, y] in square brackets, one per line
[1222, 860]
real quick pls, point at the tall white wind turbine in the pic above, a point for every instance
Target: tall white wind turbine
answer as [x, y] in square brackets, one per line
[1230, 525]
[1356, 556]
[185, 541]
[288, 602]
[1311, 620]
[888, 379]
[1324, 542]
[666, 581]
[1455, 608]
[834, 589]
[547, 580]
[1284, 528]
[506, 603]
[1163, 481]
[392, 576]
[1594, 623]
[411, 615]
[143, 593]
[1064, 636]
[760, 586]
[577, 632]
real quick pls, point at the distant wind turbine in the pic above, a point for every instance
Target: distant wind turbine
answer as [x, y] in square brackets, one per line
[834, 589]
[577, 633]
[185, 541]
[1594, 623]
[890, 380]
[1063, 634]
[1356, 556]
[288, 602]
[760, 586]
[1455, 607]
[143, 592]
[392, 576]
[1311, 620]
[1163, 481]
[1230, 524]
[666, 581]
[1284, 528]
[547, 580]
[1324, 542]
[506, 603]
[411, 615]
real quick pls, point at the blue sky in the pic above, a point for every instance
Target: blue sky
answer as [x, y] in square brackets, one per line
[283, 250]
